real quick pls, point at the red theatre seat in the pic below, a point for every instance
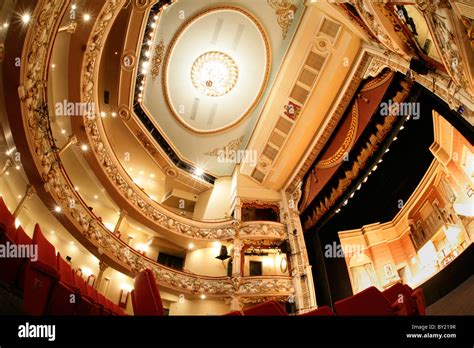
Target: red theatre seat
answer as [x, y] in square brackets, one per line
[399, 296]
[10, 266]
[367, 302]
[7, 223]
[40, 276]
[146, 298]
[419, 298]
[267, 308]
[65, 293]
[86, 304]
[320, 311]
[22, 239]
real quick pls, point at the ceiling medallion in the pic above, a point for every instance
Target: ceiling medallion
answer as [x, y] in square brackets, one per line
[214, 74]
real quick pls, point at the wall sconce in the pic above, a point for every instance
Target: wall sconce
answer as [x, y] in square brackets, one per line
[224, 254]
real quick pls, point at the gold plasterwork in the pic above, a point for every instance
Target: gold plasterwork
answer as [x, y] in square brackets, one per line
[346, 144]
[157, 60]
[231, 146]
[285, 11]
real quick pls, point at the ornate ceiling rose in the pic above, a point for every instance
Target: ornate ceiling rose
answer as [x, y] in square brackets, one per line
[214, 74]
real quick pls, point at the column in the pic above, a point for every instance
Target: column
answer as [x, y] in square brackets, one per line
[30, 191]
[71, 141]
[7, 165]
[305, 298]
[123, 213]
[102, 268]
[236, 258]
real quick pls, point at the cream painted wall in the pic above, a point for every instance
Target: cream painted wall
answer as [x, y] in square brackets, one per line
[204, 262]
[214, 203]
[199, 307]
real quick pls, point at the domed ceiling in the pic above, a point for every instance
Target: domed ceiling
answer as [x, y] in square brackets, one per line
[210, 69]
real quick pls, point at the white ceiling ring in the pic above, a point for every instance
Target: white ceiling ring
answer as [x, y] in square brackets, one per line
[240, 70]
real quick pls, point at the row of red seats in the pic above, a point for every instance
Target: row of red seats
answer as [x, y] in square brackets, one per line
[50, 286]
[399, 299]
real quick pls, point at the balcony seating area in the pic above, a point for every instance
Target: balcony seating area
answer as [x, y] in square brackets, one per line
[48, 283]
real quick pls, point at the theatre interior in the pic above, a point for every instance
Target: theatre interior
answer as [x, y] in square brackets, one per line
[236, 157]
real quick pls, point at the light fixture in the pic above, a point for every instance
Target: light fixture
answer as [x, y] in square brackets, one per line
[387, 150]
[84, 147]
[19, 196]
[375, 168]
[76, 188]
[224, 254]
[198, 171]
[190, 246]
[103, 114]
[5, 25]
[395, 138]
[73, 6]
[95, 196]
[203, 297]
[25, 18]
[113, 114]
[57, 209]
[52, 232]
[17, 223]
[214, 74]
[87, 17]
[17, 167]
[63, 131]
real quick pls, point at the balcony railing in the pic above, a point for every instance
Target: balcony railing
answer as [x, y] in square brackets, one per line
[96, 237]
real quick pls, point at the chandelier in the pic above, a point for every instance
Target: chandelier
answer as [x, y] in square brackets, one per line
[214, 74]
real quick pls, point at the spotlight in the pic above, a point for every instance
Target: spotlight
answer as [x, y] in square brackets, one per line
[87, 17]
[203, 297]
[25, 18]
[198, 171]
[84, 147]
[190, 246]
[57, 209]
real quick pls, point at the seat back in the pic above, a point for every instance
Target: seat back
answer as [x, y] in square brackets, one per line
[398, 293]
[367, 302]
[7, 222]
[320, 311]
[268, 308]
[146, 297]
[47, 259]
[65, 273]
[419, 298]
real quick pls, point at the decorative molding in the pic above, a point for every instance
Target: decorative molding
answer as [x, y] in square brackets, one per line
[33, 96]
[332, 123]
[439, 18]
[285, 11]
[262, 229]
[233, 145]
[174, 40]
[346, 144]
[157, 60]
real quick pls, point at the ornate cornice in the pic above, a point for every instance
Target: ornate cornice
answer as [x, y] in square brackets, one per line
[33, 96]
[150, 209]
[172, 44]
[331, 125]
[260, 230]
